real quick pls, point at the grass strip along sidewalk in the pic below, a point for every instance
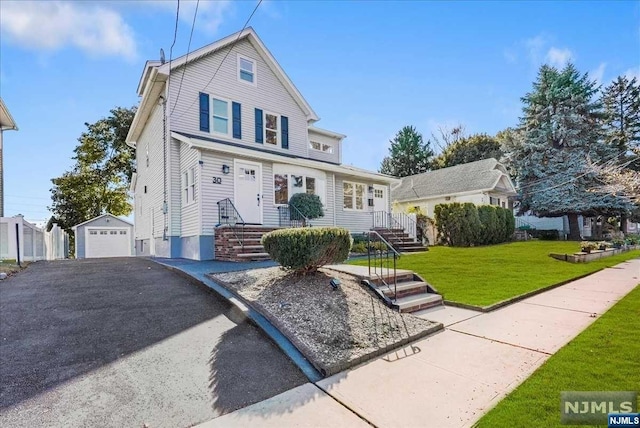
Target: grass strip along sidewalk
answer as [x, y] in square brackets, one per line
[483, 276]
[604, 357]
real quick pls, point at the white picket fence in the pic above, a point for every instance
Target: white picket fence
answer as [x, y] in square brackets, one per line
[21, 240]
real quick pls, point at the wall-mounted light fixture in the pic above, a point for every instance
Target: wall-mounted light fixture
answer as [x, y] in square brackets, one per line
[201, 162]
[225, 169]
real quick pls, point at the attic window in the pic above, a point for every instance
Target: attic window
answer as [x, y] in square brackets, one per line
[246, 70]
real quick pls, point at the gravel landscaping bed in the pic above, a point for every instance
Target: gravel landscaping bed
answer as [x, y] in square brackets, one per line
[334, 329]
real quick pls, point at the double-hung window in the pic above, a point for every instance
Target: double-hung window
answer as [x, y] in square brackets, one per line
[271, 135]
[221, 116]
[188, 186]
[353, 196]
[246, 70]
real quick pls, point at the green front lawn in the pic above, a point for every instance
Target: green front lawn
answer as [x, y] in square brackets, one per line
[604, 357]
[483, 276]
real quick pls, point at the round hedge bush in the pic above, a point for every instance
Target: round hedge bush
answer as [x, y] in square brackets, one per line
[304, 250]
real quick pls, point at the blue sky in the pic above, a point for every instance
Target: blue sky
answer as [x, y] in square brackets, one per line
[367, 68]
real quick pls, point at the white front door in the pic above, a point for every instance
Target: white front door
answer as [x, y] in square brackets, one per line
[248, 191]
[380, 198]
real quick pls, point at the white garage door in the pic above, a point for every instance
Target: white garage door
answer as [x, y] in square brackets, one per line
[107, 242]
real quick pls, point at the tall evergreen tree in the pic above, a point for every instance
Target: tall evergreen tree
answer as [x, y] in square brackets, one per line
[621, 102]
[408, 154]
[560, 130]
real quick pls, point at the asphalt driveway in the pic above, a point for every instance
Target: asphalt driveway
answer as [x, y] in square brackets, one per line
[125, 342]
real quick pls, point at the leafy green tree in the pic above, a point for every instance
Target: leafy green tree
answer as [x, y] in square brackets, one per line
[468, 149]
[560, 130]
[408, 154]
[99, 181]
[621, 102]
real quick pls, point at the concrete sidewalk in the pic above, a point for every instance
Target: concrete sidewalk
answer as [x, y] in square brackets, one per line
[452, 378]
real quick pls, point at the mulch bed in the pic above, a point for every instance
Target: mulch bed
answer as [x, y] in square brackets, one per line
[334, 329]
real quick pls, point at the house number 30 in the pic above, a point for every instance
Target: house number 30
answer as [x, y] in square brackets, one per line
[217, 180]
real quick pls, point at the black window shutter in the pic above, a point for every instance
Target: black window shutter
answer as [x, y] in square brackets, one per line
[259, 127]
[204, 112]
[237, 120]
[284, 123]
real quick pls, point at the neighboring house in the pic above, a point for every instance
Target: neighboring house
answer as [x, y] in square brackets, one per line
[103, 236]
[23, 241]
[6, 124]
[484, 182]
[223, 137]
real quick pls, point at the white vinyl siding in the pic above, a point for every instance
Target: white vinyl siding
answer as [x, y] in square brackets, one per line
[320, 141]
[211, 193]
[149, 146]
[269, 95]
[191, 178]
[354, 220]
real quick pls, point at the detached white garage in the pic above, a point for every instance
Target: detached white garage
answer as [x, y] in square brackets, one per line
[104, 236]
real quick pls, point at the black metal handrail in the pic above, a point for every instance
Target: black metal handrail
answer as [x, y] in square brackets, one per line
[291, 216]
[382, 258]
[523, 225]
[405, 222]
[385, 220]
[229, 215]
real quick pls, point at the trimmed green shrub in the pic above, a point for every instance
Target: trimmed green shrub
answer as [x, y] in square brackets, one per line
[490, 232]
[304, 250]
[463, 225]
[359, 247]
[458, 224]
[309, 206]
[510, 224]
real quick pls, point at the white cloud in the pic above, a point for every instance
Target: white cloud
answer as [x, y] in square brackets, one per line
[210, 13]
[633, 72]
[49, 26]
[510, 56]
[598, 73]
[559, 57]
[535, 46]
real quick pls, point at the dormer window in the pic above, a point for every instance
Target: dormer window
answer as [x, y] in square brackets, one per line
[246, 70]
[321, 147]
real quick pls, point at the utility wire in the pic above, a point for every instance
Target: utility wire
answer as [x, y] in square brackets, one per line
[186, 61]
[225, 57]
[175, 35]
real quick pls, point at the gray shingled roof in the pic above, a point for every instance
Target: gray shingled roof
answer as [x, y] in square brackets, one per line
[468, 177]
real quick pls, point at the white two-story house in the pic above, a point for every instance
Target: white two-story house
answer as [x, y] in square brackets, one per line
[223, 136]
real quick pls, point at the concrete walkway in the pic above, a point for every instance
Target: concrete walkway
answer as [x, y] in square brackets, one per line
[452, 378]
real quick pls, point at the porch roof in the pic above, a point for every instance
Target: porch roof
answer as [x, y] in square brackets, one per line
[218, 145]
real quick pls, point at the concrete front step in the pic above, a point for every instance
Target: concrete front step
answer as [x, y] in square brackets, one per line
[388, 278]
[253, 256]
[247, 248]
[405, 288]
[418, 302]
[412, 249]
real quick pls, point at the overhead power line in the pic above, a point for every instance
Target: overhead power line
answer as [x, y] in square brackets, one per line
[223, 59]
[186, 61]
